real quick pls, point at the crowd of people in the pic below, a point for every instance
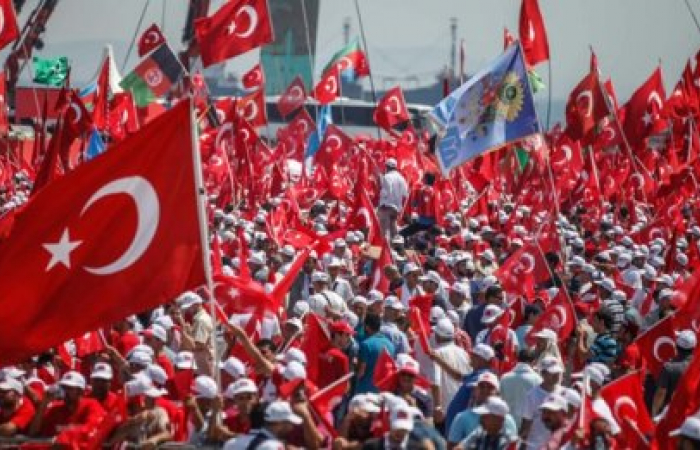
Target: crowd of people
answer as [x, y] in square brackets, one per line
[423, 359]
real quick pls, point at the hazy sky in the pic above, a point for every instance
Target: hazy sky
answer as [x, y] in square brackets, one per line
[410, 38]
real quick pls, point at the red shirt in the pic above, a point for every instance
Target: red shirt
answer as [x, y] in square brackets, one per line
[236, 423]
[20, 417]
[332, 365]
[110, 403]
[163, 361]
[425, 202]
[88, 412]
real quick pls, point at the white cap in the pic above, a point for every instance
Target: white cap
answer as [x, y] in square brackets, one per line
[690, 428]
[140, 357]
[157, 332]
[11, 384]
[234, 367]
[444, 328]
[546, 333]
[686, 340]
[358, 299]
[491, 314]
[401, 418]
[410, 267]
[666, 293]
[258, 258]
[241, 386]
[157, 374]
[142, 385]
[164, 321]
[102, 371]
[336, 262]
[319, 276]
[185, 360]
[340, 243]
[295, 354]
[393, 302]
[555, 402]
[365, 403]
[288, 250]
[461, 288]
[484, 351]
[281, 412]
[72, 379]
[488, 255]
[489, 378]
[682, 259]
[391, 163]
[205, 387]
[493, 405]
[374, 296]
[573, 398]
[294, 370]
[188, 299]
[607, 283]
[551, 364]
[301, 308]
[436, 313]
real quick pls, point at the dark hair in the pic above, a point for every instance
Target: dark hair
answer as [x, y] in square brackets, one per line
[605, 316]
[526, 355]
[373, 322]
[531, 310]
[257, 415]
[429, 178]
[266, 343]
[494, 290]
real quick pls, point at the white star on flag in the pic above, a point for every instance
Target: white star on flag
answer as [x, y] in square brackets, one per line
[61, 250]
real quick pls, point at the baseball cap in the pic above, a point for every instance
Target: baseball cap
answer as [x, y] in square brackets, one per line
[301, 308]
[391, 163]
[11, 384]
[444, 328]
[280, 411]
[365, 403]
[666, 293]
[140, 357]
[72, 379]
[336, 262]
[401, 418]
[340, 243]
[241, 386]
[288, 251]
[142, 385]
[546, 333]
[572, 397]
[493, 405]
[690, 428]
[102, 371]
[490, 378]
[551, 364]
[158, 332]
[205, 387]
[166, 322]
[341, 326]
[234, 367]
[358, 299]
[188, 299]
[408, 365]
[319, 277]
[409, 268]
[491, 313]
[436, 313]
[393, 302]
[555, 402]
[294, 355]
[157, 374]
[461, 288]
[484, 351]
[185, 360]
[293, 371]
[374, 296]
[686, 340]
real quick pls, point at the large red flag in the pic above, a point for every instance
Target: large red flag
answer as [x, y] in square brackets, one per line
[642, 107]
[116, 236]
[9, 31]
[251, 108]
[151, 39]
[559, 316]
[658, 345]
[293, 97]
[391, 109]
[238, 26]
[586, 106]
[533, 35]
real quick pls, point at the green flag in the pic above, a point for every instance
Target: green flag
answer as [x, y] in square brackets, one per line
[139, 89]
[50, 71]
[536, 81]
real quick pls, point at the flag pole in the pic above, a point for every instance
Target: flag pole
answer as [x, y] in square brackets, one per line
[204, 236]
[136, 33]
[692, 14]
[549, 90]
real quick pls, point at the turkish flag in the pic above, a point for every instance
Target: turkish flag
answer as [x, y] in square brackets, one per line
[316, 341]
[625, 396]
[533, 35]
[586, 106]
[150, 39]
[658, 344]
[517, 274]
[251, 108]
[238, 26]
[328, 87]
[643, 106]
[559, 317]
[391, 109]
[335, 144]
[117, 236]
[292, 98]
[9, 31]
[254, 78]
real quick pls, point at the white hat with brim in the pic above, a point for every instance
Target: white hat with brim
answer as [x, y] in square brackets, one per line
[281, 412]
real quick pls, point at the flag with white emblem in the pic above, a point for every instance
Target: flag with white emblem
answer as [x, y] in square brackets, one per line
[154, 76]
[116, 236]
[391, 109]
[9, 31]
[495, 107]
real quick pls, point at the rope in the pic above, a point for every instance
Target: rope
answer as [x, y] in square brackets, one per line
[136, 33]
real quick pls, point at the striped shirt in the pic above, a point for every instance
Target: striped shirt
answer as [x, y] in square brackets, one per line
[605, 349]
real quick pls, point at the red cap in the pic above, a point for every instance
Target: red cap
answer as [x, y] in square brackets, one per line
[342, 326]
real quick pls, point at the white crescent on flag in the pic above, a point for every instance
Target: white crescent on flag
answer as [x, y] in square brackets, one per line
[148, 216]
[252, 15]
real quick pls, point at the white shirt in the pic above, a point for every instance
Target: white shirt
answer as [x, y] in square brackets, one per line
[539, 434]
[342, 287]
[455, 357]
[394, 190]
[407, 294]
[515, 385]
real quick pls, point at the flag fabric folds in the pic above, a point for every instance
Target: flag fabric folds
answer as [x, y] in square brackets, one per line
[114, 237]
[490, 110]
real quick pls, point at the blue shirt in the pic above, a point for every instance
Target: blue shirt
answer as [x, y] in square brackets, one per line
[468, 421]
[370, 349]
[605, 349]
[460, 402]
[472, 322]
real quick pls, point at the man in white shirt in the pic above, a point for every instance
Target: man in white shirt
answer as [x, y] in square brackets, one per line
[339, 285]
[279, 422]
[533, 432]
[516, 384]
[392, 197]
